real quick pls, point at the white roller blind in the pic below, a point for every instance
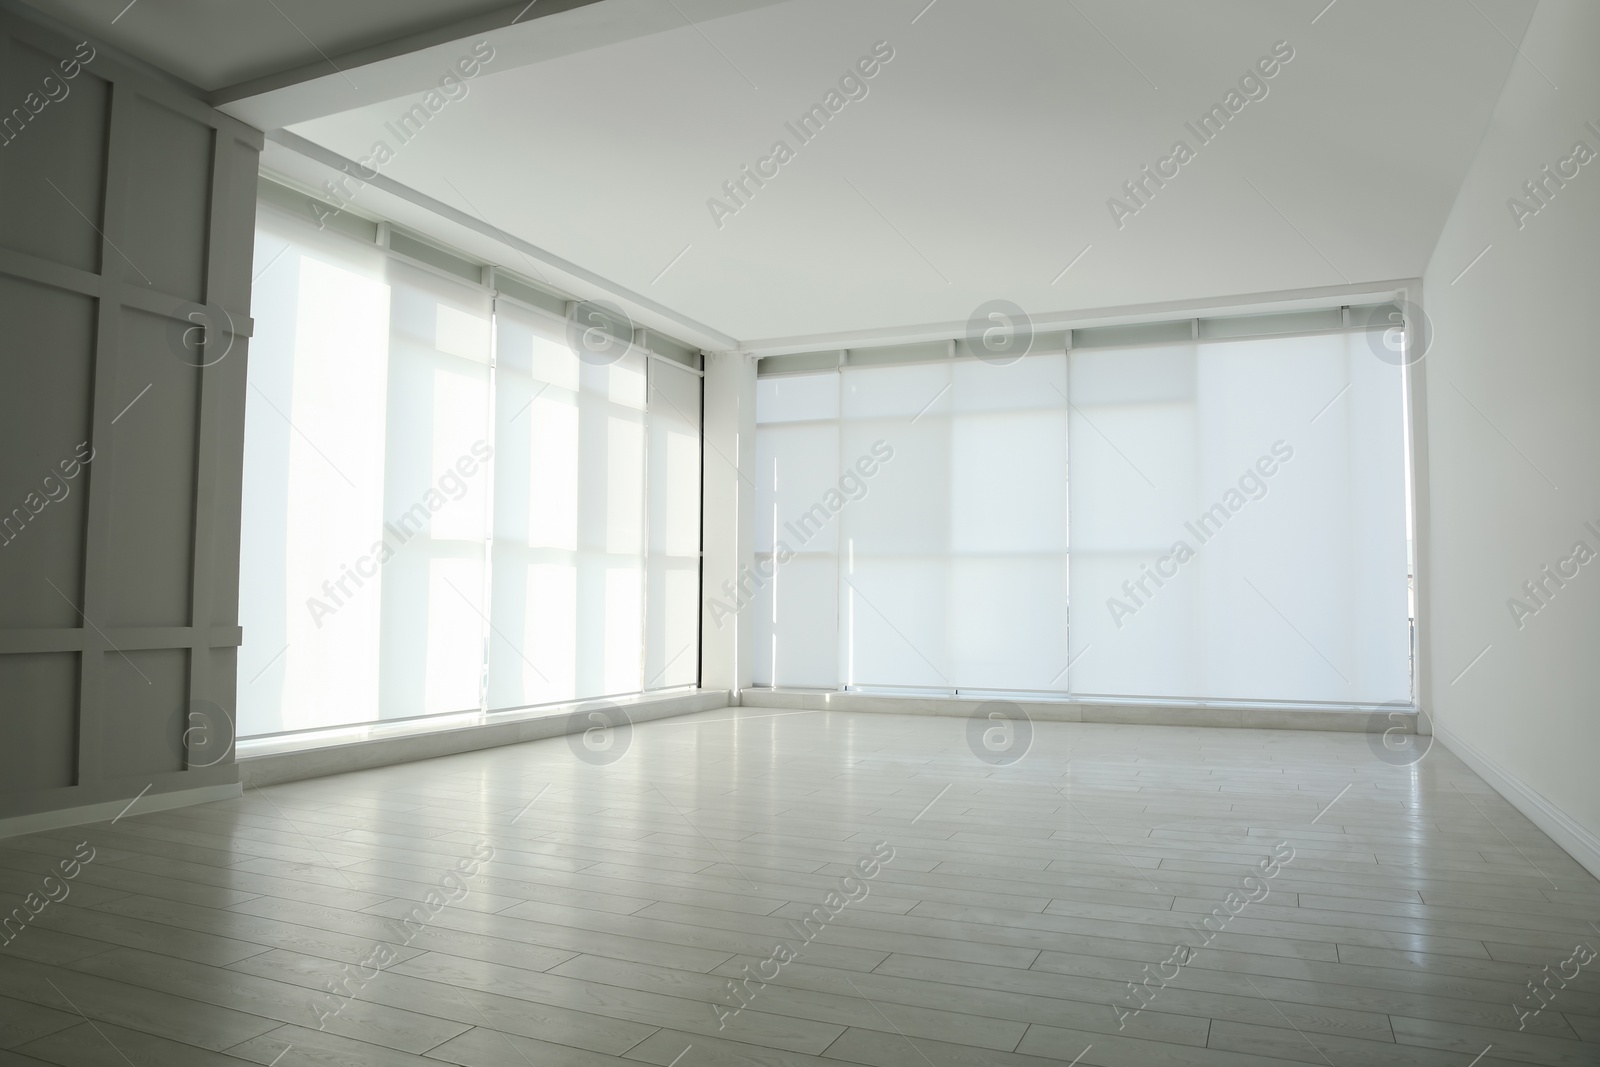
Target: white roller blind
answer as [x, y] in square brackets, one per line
[533, 643]
[445, 509]
[568, 596]
[1008, 530]
[436, 495]
[611, 506]
[672, 596]
[955, 557]
[315, 426]
[895, 539]
[1238, 522]
[922, 512]
[796, 603]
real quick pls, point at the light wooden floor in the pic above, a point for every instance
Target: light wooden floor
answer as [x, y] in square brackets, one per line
[1019, 902]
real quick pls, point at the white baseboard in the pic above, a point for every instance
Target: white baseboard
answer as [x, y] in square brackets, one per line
[1579, 842]
[261, 768]
[1236, 716]
[18, 825]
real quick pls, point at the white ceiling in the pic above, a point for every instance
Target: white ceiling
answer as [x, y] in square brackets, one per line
[978, 166]
[981, 160]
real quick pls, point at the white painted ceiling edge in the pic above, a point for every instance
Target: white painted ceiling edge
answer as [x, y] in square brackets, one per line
[301, 163]
[414, 64]
[411, 65]
[307, 166]
[285, 100]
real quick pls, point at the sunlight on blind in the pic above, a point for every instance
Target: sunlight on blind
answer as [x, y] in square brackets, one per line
[379, 483]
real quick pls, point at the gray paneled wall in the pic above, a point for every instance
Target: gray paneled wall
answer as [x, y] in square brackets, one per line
[126, 227]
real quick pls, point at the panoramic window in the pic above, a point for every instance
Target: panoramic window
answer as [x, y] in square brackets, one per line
[1236, 510]
[446, 510]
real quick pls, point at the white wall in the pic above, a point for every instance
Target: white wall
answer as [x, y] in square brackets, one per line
[728, 518]
[1513, 442]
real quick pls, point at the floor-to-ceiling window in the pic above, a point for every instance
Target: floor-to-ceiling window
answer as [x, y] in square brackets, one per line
[446, 509]
[914, 519]
[1237, 520]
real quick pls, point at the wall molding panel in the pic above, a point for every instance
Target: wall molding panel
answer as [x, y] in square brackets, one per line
[127, 215]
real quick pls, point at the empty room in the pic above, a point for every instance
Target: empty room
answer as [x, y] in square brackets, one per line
[904, 533]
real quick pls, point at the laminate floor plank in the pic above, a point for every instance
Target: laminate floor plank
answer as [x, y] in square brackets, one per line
[892, 989]
[640, 1006]
[106, 1045]
[48, 946]
[484, 1047]
[115, 845]
[1487, 968]
[519, 890]
[1386, 1001]
[58, 845]
[352, 1016]
[718, 938]
[861, 938]
[1428, 923]
[877, 1049]
[1173, 999]
[1522, 1047]
[350, 887]
[18, 884]
[624, 904]
[665, 1046]
[415, 924]
[846, 1007]
[282, 885]
[261, 934]
[991, 926]
[538, 941]
[135, 1007]
[1283, 1042]
[1255, 964]
[299, 1046]
[22, 1021]
[127, 931]
[473, 1007]
[124, 881]
[630, 881]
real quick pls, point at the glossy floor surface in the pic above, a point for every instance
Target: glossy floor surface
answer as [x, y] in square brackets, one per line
[713, 890]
